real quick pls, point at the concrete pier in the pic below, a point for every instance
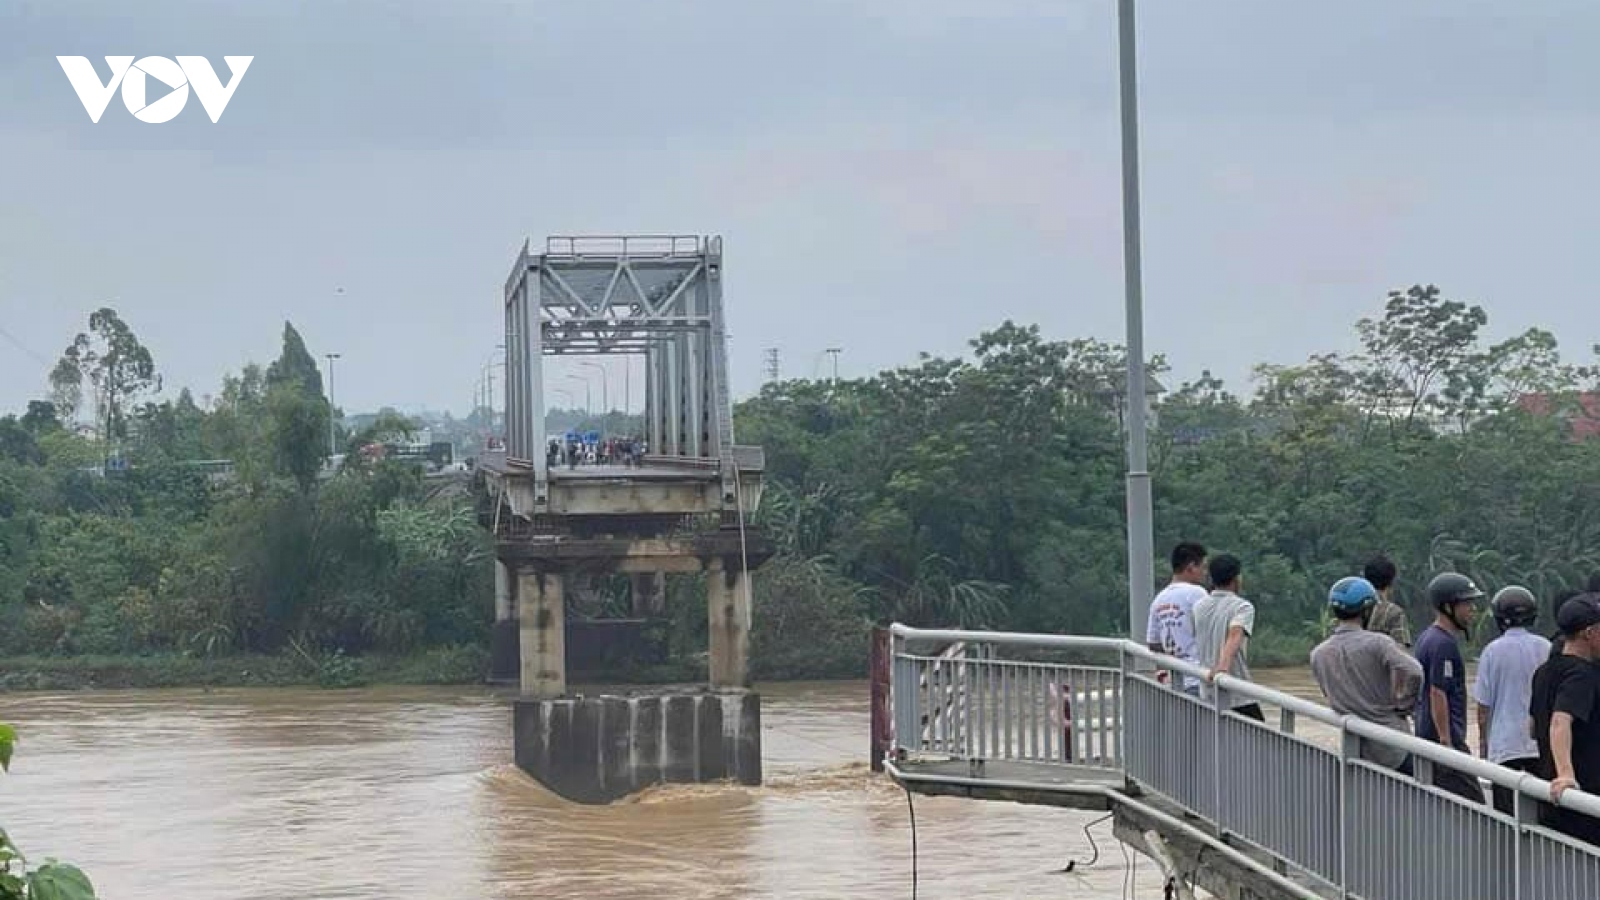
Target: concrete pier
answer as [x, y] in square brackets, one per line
[504, 667]
[596, 749]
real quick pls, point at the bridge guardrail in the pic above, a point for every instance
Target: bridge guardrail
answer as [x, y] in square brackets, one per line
[1361, 828]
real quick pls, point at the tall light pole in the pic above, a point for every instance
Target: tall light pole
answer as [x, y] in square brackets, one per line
[1141, 540]
[605, 398]
[333, 435]
[834, 352]
[588, 392]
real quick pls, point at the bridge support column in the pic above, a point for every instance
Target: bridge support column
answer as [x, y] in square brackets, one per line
[728, 605]
[503, 638]
[541, 613]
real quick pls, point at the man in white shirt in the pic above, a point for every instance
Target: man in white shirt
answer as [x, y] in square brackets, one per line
[1223, 621]
[1171, 626]
[1504, 687]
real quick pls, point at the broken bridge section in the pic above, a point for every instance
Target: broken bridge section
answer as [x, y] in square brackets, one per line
[684, 508]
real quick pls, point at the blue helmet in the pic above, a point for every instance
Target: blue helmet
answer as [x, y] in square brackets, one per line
[1351, 596]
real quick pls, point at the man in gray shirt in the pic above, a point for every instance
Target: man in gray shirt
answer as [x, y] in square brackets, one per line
[1223, 623]
[1366, 674]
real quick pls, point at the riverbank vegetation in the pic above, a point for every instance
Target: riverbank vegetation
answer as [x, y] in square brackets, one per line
[988, 491]
[983, 492]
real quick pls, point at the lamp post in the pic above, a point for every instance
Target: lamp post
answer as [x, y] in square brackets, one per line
[333, 434]
[1141, 580]
[605, 399]
[588, 392]
[834, 352]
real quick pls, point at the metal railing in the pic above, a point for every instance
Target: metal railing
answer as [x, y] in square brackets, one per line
[1310, 800]
[632, 246]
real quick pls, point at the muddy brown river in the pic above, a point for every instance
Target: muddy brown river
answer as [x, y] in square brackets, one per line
[392, 793]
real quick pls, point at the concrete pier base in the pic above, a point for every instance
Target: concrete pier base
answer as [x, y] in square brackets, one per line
[602, 748]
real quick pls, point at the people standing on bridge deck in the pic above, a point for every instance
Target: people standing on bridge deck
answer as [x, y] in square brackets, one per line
[1171, 626]
[1442, 709]
[1504, 687]
[1387, 617]
[1566, 715]
[1364, 673]
[1223, 622]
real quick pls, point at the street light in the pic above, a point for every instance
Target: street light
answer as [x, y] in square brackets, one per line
[605, 400]
[1141, 580]
[333, 439]
[588, 393]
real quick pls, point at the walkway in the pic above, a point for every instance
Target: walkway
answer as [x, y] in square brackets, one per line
[1232, 805]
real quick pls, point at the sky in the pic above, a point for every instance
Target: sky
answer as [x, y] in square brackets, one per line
[888, 176]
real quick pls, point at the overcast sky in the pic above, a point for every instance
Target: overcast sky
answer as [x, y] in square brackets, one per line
[889, 176]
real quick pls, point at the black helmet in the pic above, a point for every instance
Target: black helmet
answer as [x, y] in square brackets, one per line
[1514, 607]
[1449, 588]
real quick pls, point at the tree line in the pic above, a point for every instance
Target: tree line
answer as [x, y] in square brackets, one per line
[984, 491]
[113, 540]
[988, 492]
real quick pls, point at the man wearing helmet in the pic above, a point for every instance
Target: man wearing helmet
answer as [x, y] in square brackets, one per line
[1504, 687]
[1442, 709]
[1364, 673]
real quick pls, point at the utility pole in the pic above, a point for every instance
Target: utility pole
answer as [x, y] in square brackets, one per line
[834, 352]
[1141, 540]
[772, 363]
[588, 393]
[333, 435]
[605, 397]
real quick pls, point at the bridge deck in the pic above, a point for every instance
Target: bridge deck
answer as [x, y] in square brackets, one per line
[650, 472]
[1052, 784]
[1237, 805]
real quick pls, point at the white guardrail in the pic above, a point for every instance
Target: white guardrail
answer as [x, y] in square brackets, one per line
[1365, 830]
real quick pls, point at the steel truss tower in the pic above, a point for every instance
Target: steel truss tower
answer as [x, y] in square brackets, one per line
[659, 297]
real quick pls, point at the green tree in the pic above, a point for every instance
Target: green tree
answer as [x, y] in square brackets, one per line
[120, 369]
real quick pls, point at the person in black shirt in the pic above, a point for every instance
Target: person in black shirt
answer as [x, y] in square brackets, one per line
[1566, 715]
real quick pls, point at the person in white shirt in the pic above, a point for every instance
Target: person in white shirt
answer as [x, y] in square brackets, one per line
[1503, 688]
[1223, 622]
[1171, 626]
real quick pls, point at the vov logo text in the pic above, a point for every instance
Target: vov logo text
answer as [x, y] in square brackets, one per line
[134, 77]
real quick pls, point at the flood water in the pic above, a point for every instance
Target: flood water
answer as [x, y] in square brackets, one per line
[394, 793]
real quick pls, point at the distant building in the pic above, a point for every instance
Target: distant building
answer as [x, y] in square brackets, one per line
[1581, 412]
[1111, 396]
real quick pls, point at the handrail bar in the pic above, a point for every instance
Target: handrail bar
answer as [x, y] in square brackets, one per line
[1521, 782]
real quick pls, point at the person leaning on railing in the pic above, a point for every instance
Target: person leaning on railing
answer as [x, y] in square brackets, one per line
[1365, 673]
[1503, 687]
[1565, 710]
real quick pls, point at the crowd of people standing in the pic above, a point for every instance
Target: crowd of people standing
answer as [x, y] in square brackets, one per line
[1537, 699]
[618, 451]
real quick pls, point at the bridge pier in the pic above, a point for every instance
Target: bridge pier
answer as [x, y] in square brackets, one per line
[598, 748]
[542, 621]
[504, 659]
[728, 608]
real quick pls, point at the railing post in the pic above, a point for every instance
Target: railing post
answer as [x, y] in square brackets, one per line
[1349, 748]
[880, 659]
[1219, 700]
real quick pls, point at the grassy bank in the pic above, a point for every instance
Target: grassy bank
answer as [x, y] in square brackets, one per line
[441, 665]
